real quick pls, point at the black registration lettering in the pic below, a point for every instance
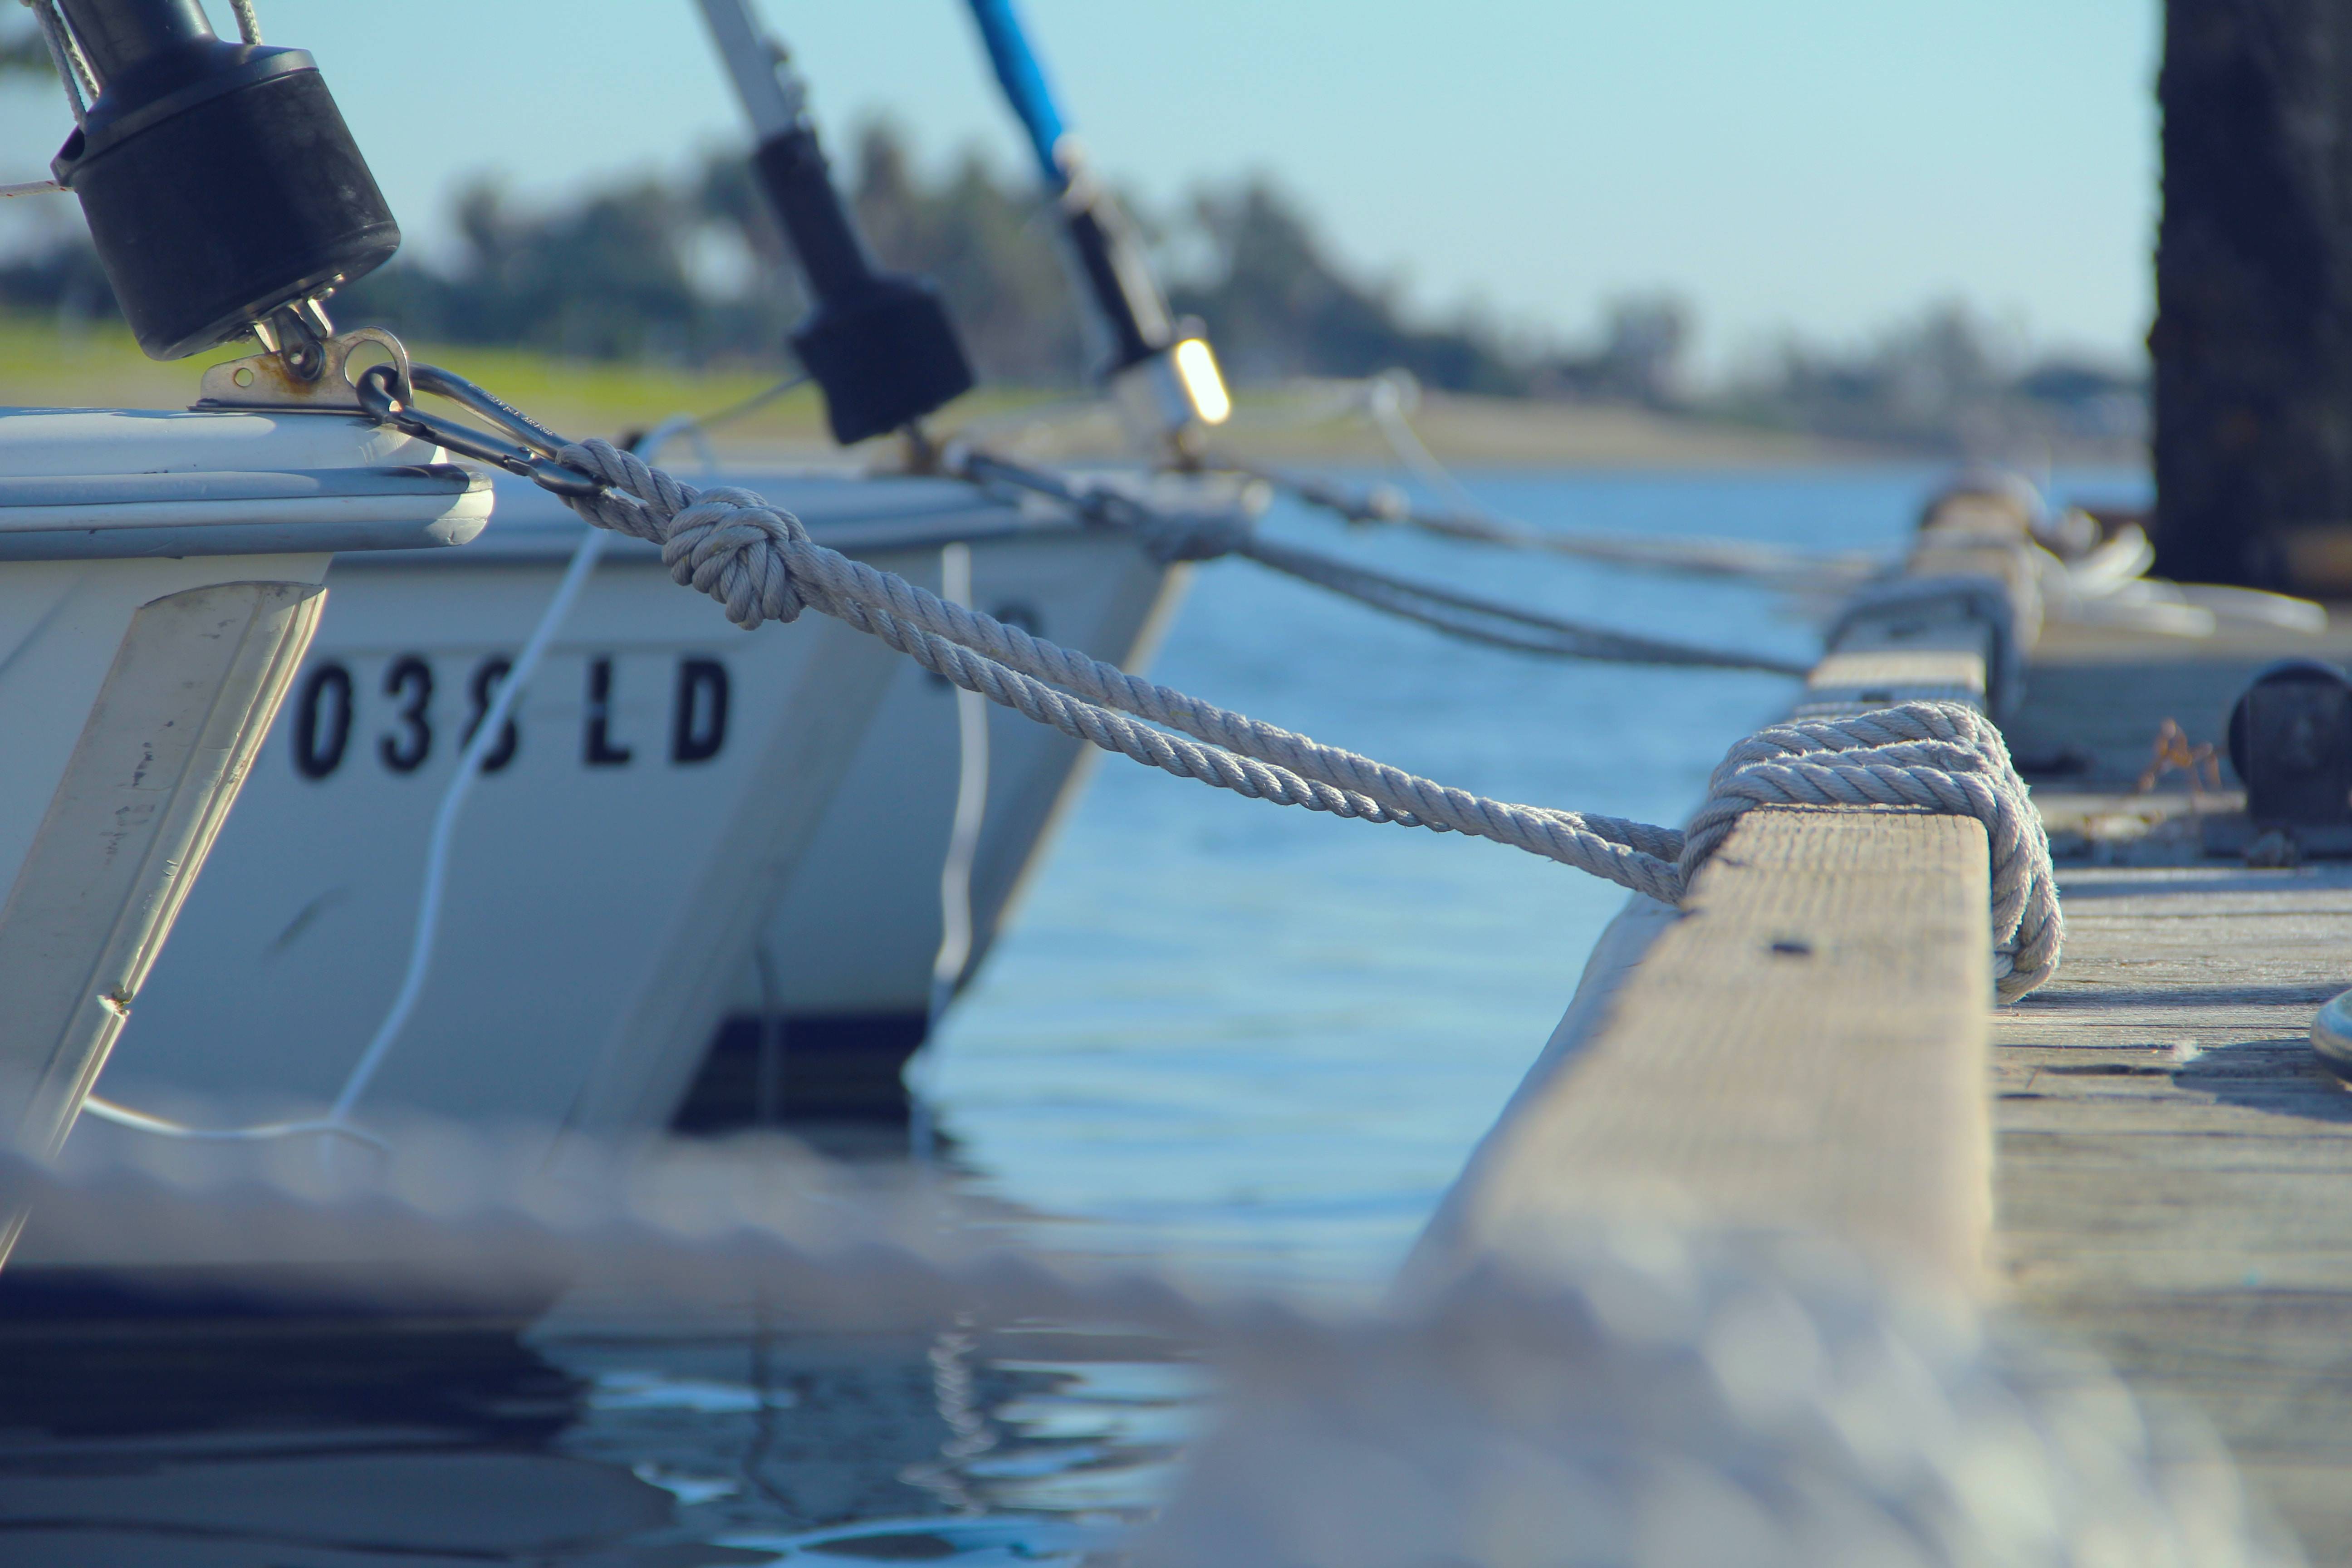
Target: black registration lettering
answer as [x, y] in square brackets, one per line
[322, 720]
[483, 687]
[409, 680]
[698, 725]
[600, 751]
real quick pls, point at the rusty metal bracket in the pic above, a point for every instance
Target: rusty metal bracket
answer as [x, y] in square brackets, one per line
[264, 381]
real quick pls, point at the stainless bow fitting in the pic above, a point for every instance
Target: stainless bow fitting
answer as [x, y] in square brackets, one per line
[531, 453]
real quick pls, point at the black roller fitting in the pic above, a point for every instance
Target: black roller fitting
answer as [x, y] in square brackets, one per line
[878, 344]
[2291, 745]
[885, 354]
[218, 178]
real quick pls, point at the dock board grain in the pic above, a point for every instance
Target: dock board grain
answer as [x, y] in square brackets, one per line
[2144, 1153]
[2174, 1172]
[1804, 1047]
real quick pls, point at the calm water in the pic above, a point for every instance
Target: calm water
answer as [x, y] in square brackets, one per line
[1258, 1041]
[1269, 1036]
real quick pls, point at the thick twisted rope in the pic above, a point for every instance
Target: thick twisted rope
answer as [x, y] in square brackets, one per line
[1735, 559]
[1170, 536]
[1943, 757]
[759, 563]
[1490, 621]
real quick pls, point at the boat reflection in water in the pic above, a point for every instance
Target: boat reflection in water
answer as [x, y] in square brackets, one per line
[722, 1441]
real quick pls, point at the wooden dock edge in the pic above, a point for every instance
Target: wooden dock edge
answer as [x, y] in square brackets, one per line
[1803, 1046]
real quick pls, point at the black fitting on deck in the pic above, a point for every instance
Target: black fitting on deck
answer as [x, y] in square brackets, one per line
[2291, 744]
[218, 178]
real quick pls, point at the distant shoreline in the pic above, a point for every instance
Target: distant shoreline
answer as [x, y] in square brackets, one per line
[1473, 432]
[43, 364]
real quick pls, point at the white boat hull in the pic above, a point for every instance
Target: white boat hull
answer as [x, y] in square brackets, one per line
[159, 580]
[613, 879]
[606, 877]
[844, 990]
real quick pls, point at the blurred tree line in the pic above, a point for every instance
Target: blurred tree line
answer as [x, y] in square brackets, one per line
[692, 270]
[1945, 379]
[695, 270]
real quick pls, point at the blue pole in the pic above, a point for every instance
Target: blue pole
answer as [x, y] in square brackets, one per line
[1181, 380]
[1022, 79]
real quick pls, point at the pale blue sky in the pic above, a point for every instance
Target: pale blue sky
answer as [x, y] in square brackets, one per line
[1815, 165]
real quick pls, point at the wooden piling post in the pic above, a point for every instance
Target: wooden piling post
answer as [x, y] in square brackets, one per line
[2254, 282]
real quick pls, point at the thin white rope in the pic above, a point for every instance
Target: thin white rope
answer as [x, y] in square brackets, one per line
[759, 563]
[957, 922]
[1384, 400]
[32, 188]
[487, 738]
[488, 734]
[1388, 400]
[164, 1126]
[1171, 536]
[248, 21]
[956, 916]
[697, 427]
[65, 53]
[687, 424]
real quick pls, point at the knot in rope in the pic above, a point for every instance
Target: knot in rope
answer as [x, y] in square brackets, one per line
[1942, 757]
[730, 543]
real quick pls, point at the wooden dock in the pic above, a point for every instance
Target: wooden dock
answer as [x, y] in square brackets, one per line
[2173, 1176]
[2143, 1156]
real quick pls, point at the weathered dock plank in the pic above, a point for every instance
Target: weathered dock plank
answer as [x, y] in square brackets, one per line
[2145, 1149]
[1804, 1047]
[1870, 678]
[2173, 1167]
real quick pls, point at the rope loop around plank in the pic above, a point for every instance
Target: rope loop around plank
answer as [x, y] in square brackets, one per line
[1943, 757]
[759, 562]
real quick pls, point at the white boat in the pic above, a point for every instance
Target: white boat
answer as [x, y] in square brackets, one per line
[843, 979]
[159, 581]
[676, 790]
[642, 834]
[677, 795]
